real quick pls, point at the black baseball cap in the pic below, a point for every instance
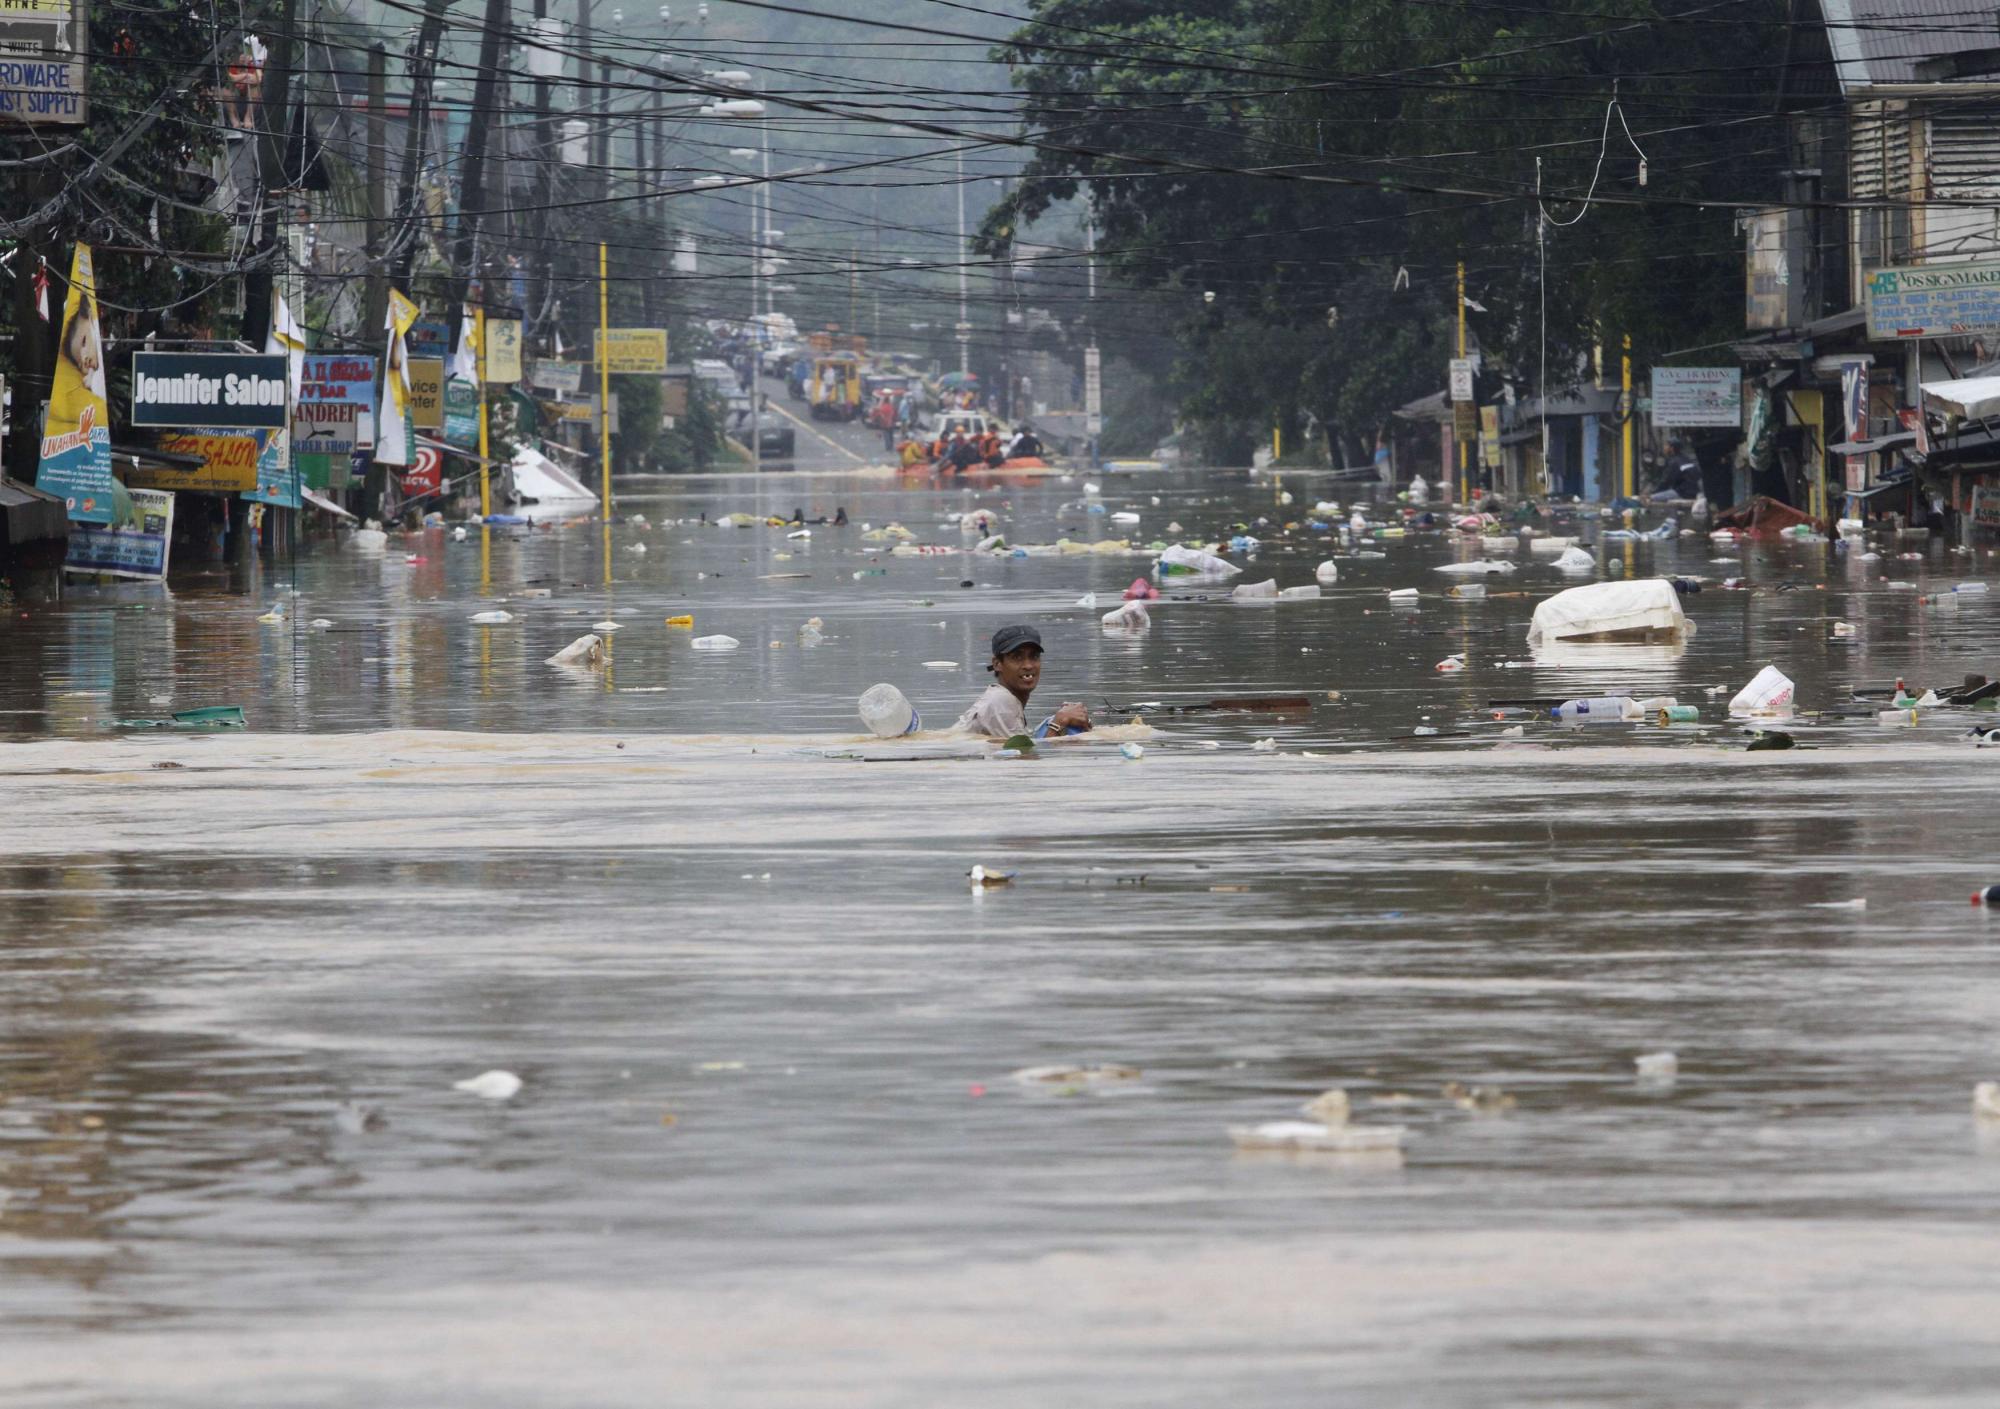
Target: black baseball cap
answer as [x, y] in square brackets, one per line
[1011, 638]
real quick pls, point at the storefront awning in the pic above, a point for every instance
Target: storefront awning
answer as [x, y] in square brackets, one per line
[30, 515]
[1974, 398]
[1870, 447]
[320, 501]
[1876, 491]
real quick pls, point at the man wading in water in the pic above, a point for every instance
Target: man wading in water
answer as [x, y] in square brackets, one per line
[1002, 712]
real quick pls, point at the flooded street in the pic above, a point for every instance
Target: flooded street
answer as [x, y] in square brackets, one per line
[769, 1149]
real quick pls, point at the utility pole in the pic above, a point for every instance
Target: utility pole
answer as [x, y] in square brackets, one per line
[423, 67]
[1464, 459]
[272, 121]
[545, 147]
[484, 117]
[964, 329]
[375, 309]
[30, 377]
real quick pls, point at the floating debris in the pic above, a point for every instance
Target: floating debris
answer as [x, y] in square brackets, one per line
[493, 1085]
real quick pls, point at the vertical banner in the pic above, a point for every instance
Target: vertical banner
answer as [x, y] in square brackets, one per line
[503, 351]
[276, 484]
[1093, 391]
[76, 440]
[288, 339]
[393, 439]
[1854, 399]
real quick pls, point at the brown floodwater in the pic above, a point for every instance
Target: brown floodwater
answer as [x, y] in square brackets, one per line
[768, 1149]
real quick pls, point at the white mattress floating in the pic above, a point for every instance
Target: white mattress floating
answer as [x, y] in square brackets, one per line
[1648, 610]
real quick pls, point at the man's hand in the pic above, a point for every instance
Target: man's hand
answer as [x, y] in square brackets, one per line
[1073, 715]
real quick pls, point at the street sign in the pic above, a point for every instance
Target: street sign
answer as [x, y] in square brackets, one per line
[636, 351]
[1460, 370]
[229, 462]
[210, 389]
[44, 59]
[1093, 391]
[335, 411]
[134, 547]
[1464, 422]
[426, 476]
[1936, 301]
[1698, 396]
[558, 376]
[427, 393]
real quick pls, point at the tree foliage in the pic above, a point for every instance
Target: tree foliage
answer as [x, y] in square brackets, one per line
[1295, 181]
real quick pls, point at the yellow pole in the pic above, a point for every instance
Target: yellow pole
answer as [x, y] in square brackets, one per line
[1464, 459]
[604, 369]
[1625, 382]
[1277, 443]
[479, 362]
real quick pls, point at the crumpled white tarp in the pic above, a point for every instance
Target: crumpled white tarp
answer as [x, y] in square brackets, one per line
[1195, 561]
[1648, 608]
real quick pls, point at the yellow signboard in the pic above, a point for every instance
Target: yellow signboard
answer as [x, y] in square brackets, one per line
[503, 351]
[640, 350]
[1489, 437]
[427, 393]
[231, 464]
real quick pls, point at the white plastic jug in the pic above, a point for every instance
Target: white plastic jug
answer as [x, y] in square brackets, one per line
[887, 713]
[1769, 694]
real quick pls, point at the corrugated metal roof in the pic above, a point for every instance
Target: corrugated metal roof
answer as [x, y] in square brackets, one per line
[1882, 41]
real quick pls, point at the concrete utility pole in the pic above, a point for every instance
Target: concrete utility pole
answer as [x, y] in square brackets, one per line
[545, 148]
[485, 117]
[273, 113]
[1464, 459]
[964, 329]
[375, 309]
[423, 67]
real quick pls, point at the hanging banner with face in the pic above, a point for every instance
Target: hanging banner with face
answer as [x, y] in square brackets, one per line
[394, 437]
[76, 439]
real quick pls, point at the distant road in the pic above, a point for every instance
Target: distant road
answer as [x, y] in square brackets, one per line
[822, 445]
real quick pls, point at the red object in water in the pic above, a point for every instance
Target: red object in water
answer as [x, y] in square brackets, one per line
[1141, 591]
[978, 1090]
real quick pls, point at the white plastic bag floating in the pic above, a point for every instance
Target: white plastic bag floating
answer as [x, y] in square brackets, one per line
[716, 643]
[1574, 559]
[1478, 567]
[1767, 696]
[1327, 572]
[1181, 562]
[1130, 614]
[1299, 594]
[1266, 590]
[584, 650]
